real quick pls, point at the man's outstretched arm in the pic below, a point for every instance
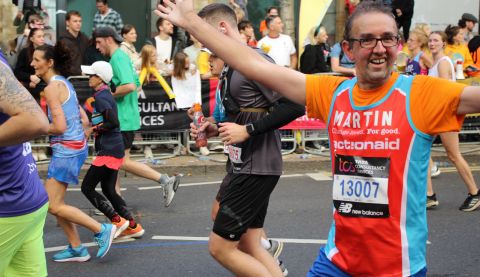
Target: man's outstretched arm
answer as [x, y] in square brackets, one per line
[27, 120]
[469, 100]
[289, 83]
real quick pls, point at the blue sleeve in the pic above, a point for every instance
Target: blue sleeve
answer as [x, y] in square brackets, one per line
[336, 50]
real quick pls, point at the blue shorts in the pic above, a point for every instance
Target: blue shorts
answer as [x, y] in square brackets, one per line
[66, 170]
[322, 266]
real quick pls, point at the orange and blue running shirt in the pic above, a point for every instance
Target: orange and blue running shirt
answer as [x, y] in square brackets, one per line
[380, 147]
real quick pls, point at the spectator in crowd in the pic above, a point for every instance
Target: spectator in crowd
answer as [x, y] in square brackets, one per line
[193, 50]
[165, 42]
[467, 23]
[129, 35]
[246, 31]
[185, 82]
[24, 72]
[456, 48]
[239, 13]
[151, 72]
[403, 11]
[25, 9]
[314, 58]
[271, 11]
[340, 62]
[443, 68]
[474, 47]
[419, 62]
[24, 201]
[242, 5]
[107, 17]
[75, 40]
[126, 81]
[277, 45]
[34, 21]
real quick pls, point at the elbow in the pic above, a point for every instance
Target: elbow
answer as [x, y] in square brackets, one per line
[43, 126]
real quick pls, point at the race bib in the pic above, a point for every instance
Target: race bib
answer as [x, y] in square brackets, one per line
[235, 154]
[360, 186]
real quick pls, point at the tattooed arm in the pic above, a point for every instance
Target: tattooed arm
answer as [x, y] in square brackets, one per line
[27, 119]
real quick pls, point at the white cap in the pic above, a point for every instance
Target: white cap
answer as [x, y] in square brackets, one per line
[101, 68]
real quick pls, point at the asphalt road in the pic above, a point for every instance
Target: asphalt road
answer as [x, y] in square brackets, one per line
[299, 213]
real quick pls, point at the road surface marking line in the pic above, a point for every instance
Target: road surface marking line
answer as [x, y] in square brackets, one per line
[88, 244]
[299, 241]
[97, 189]
[319, 176]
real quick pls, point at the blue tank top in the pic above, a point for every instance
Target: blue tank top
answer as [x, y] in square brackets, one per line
[21, 190]
[72, 142]
[413, 65]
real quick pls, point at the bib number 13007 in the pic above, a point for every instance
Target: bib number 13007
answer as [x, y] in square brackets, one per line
[359, 188]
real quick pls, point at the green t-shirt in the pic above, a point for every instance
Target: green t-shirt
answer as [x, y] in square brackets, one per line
[124, 73]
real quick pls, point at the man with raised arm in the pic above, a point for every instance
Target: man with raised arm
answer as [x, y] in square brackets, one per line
[381, 126]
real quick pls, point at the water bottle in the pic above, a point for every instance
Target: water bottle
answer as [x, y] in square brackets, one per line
[459, 70]
[198, 119]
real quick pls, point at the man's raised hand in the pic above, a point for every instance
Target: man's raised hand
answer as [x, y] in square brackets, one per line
[177, 12]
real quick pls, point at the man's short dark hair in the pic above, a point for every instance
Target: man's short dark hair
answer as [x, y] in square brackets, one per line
[72, 13]
[269, 19]
[273, 8]
[102, 1]
[159, 23]
[244, 24]
[374, 6]
[217, 12]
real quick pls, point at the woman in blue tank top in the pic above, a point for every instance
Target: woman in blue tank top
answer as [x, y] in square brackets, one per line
[69, 151]
[419, 62]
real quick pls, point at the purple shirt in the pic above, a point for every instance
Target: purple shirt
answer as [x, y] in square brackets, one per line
[21, 190]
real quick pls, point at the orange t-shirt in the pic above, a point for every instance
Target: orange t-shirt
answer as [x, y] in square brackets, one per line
[263, 27]
[433, 101]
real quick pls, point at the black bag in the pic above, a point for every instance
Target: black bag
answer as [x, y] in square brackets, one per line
[231, 106]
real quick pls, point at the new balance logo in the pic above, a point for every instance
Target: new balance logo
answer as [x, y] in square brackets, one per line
[345, 208]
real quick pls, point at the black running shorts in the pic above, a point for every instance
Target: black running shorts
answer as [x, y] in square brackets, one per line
[243, 205]
[223, 186]
[128, 137]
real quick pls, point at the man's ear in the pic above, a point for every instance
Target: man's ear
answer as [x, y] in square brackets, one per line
[222, 27]
[347, 49]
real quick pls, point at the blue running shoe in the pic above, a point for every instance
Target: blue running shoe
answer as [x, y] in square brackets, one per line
[104, 239]
[77, 254]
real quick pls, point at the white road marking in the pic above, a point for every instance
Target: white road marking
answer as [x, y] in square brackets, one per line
[97, 189]
[181, 238]
[299, 241]
[88, 244]
[319, 176]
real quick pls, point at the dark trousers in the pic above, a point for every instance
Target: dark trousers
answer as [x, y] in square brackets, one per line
[107, 178]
